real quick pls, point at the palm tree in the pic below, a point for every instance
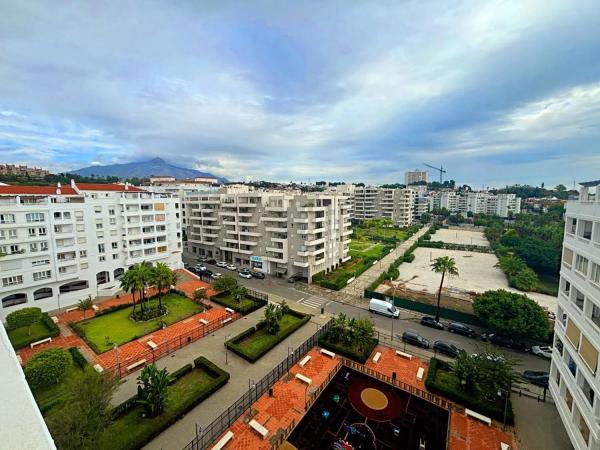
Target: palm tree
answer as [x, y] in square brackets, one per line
[152, 389]
[85, 304]
[161, 277]
[140, 274]
[272, 317]
[128, 286]
[444, 265]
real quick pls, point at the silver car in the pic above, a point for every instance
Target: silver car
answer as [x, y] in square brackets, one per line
[543, 351]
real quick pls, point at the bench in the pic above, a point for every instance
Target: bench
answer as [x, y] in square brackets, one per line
[204, 321]
[224, 321]
[504, 446]
[152, 345]
[420, 373]
[376, 357]
[72, 309]
[95, 307]
[404, 355]
[476, 415]
[41, 341]
[304, 361]
[303, 378]
[259, 428]
[223, 441]
[135, 365]
[54, 319]
[98, 368]
[327, 353]
[229, 310]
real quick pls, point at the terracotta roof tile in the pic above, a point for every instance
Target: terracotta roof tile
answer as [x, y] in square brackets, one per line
[65, 189]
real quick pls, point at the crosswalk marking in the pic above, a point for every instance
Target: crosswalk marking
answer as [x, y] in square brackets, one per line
[312, 302]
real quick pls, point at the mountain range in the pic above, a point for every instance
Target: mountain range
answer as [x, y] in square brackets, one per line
[143, 169]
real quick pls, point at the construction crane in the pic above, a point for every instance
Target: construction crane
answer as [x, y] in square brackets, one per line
[439, 169]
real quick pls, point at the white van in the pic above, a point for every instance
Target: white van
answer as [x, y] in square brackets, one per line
[384, 308]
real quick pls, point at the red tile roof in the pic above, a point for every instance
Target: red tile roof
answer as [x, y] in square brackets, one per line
[107, 187]
[65, 189]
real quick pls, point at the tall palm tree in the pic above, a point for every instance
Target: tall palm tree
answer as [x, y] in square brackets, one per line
[162, 278]
[128, 286]
[140, 278]
[444, 265]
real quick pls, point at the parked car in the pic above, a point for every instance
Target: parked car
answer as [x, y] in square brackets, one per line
[459, 328]
[257, 274]
[497, 358]
[200, 267]
[211, 261]
[543, 351]
[215, 275]
[294, 278]
[537, 377]
[446, 348]
[412, 337]
[202, 259]
[231, 267]
[428, 321]
[245, 274]
[186, 266]
[222, 264]
[503, 341]
[384, 308]
[205, 272]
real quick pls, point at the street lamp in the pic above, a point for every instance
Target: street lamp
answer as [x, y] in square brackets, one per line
[506, 395]
[226, 349]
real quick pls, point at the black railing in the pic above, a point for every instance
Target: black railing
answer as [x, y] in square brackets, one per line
[209, 434]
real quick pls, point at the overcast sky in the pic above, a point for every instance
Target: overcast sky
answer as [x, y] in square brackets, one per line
[497, 91]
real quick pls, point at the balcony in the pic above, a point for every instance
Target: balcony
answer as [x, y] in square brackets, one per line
[245, 252]
[274, 219]
[247, 224]
[250, 233]
[311, 231]
[301, 263]
[275, 229]
[276, 208]
[248, 205]
[310, 243]
[231, 241]
[248, 242]
[227, 213]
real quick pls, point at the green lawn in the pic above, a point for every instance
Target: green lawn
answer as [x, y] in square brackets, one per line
[254, 344]
[102, 332]
[548, 285]
[132, 431]
[229, 301]
[20, 338]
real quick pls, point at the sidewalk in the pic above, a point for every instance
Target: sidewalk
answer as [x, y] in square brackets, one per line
[242, 374]
[358, 286]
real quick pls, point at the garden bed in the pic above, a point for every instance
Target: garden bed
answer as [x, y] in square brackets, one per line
[349, 352]
[45, 328]
[253, 343]
[104, 331]
[130, 430]
[441, 380]
[246, 306]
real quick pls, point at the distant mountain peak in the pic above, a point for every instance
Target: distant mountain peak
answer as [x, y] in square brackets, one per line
[143, 169]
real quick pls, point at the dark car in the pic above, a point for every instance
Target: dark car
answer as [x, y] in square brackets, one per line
[537, 377]
[445, 348]
[186, 266]
[202, 258]
[205, 272]
[211, 261]
[412, 337]
[503, 341]
[256, 274]
[294, 278]
[431, 322]
[459, 328]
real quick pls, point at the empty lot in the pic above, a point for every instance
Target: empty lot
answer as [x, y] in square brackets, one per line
[467, 237]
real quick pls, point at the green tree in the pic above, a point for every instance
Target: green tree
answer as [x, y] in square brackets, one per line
[47, 367]
[364, 331]
[526, 280]
[80, 421]
[85, 304]
[512, 314]
[152, 390]
[200, 294]
[225, 283]
[127, 284]
[271, 319]
[495, 371]
[444, 265]
[339, 327]
[162, 278]
[239, 293]
[466, 370]
[510, 265]
[24, 317]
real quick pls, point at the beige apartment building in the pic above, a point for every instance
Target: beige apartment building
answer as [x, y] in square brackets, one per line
[398, 205]
[277, 233]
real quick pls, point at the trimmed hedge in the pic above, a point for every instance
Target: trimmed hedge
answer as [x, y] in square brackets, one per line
[78, 358]
[79, 331]
[346, 351]
[257, 303]
[495, 411]
[232, 344]
[181, 372]
[47, 321]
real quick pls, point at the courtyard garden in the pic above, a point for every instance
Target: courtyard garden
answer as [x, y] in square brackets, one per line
[29, 325]
[279, 322]
[233, 295]
[353, 338]
[116, 326]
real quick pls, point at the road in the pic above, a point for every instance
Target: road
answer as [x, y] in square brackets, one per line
[409, 320]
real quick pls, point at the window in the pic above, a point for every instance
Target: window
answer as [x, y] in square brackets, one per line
[568, 256]
[12, 234]
[584, 430]
[101, 248]
[74, 286]
[33, 247]
[581, 264]
[42, 293]
[80, 227]
[98, 209]
[83, 253]
[572, 365]
[589, 354]
[37, 276]
[569, 399]
[114, 245]
[66, 215]
[32, 232]
[2, 235]
[14, 299]
[11, 281]
[7, 218]
[42, 231]
[595, 276]
[40, 262]
[15, 249]
[115, 256]
[111, 212]
[43, 246]
[34, 217]
[571, 225]
[113, 221]
[57, 215]
[99, 226]
[102, 258]
[573, 333]
[588, 392]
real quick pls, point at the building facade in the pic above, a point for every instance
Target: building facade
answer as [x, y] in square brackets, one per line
[574, 377]
[22, 171]
[398, 205]
[61, 244]
[502, 205]
[276, 233]
[415, 176]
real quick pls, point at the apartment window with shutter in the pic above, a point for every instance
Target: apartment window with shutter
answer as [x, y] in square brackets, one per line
[100, 248]
[43, 246]
[573, 333]
[568, 256]
[589, 354]
[33, 247]
[581, 264]
[595, 276]
[12, 234]
[32, 232]
[42, 231]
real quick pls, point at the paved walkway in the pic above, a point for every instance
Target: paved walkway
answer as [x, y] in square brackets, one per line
[358, 286]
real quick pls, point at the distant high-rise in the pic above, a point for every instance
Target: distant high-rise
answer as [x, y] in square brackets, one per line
[415, 176]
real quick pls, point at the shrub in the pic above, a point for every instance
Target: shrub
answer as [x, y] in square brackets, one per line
[78, 358]
[409, 258]
[181, 372]
[24, 317]
[47, 367]
[225, 283]
[344, 350]
[47, 320]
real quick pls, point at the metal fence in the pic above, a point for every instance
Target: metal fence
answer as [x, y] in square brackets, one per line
[125, 366]
[209, 434]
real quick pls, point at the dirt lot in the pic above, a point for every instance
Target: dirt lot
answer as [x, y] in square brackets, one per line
[459, 236]
[476, 274]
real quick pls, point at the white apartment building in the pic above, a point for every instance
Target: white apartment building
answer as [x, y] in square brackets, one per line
[398, 205]
[276, 233]
[63, 243]
[347, 191]
[476, 202]
[415, 176]
[574, 377]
